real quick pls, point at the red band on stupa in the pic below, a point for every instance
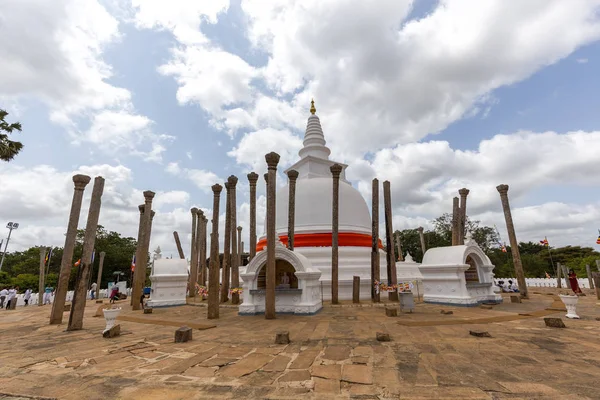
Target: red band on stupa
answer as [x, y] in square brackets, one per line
[324, 240]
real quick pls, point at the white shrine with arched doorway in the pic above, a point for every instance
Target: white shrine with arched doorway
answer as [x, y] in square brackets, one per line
[297, 289]
[458, 275]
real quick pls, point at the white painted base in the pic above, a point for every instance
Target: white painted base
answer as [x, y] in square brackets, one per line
[354, 261]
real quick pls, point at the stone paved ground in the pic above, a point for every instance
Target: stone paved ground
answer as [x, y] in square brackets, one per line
[332, 355]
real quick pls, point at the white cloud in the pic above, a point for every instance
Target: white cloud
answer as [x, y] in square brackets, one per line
[203, 179]
[582, 60]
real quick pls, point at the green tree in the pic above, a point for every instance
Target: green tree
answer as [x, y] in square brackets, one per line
[8, 148]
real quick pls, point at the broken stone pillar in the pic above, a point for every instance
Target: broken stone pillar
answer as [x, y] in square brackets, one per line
[183, 334]
[596, 278]
[235, 272]
[141, 256]
[514, 244]
[598, 265]
[588, 271]
[292, 176]
[233, 276]
[463, 215]
[41, 277]
[194, 254]
[252, 179]
[398, 246]
[336, 170]
[272, 161]
[213, 279]
[356, 289]
[422, 239]
[558, 276]
[99, 280]
[85, 268]
[455, 222]
[60, 295]
[389, 239]
[178, 244]
[226, 245]
[375, 267]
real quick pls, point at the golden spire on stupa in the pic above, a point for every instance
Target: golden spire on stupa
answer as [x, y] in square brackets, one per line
[313, 110]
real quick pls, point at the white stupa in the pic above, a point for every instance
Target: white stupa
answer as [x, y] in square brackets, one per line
[313, 215]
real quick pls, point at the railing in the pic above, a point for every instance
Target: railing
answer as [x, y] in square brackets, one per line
[33, 300]
[545, 282]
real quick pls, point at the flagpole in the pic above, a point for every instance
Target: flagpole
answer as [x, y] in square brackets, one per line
[550, 254]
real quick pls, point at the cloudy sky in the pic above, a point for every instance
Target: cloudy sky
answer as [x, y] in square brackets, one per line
[176, 96]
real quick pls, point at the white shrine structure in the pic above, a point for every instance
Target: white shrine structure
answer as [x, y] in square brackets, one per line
[458, 275]
[312, 232]
[169, 282]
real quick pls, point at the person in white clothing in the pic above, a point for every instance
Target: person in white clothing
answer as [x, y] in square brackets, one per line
[93, 290]
[12, 294]
[27, 296]
[3, 295]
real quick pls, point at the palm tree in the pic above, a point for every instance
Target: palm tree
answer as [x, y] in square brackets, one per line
[8, 148]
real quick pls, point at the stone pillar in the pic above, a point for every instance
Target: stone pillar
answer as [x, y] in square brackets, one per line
[598, 265]
[596, 278]
[60, 294]
[233, 275]
[226, 246]
[422, 238]
[565, 272]
[588, 271]
[336, 170]
[213, 278]
[292, 176]
[178, 244]
[235, 264]
[399, 246]
[463, 215]
[356, 289]
[194, 254]
[375, 267]
[199, 219]
[272, 161]
[99, 280]
[455, 222]
[41, 287]
[203, 268]
[141, 255]
[252, 179]
[140, 239]
[514, 244]
[85, 268]
[389, 239]
[558, 276]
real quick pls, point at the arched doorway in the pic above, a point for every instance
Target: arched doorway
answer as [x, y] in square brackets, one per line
[471, 274]
[285, 276]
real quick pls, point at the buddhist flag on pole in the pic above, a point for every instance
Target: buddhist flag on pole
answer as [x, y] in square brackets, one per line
[598, 240]
[544, 242]
[48, 256]
[133, 263]
[77, 263]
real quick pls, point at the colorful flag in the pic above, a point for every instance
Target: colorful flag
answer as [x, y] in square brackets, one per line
[504, 248]
[598, 240]
[77, 263]
[48, 256]
[133, 263]
[544, 242]
[547, 275]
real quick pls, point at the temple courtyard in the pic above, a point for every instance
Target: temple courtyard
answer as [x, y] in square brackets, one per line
[332, 355]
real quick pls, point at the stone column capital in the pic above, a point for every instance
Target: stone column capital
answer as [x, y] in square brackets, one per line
[252, 178]
[216, 188]
[141, 207]
[200, 213]
[239, 228]
[293, 174]
[102, 253]
[272, 160]
[266, 177]
[194, 211]
[81, 181]
[420, 229]
[502, 189]
[149, 195]
[464, 192]
[232, 181]
[336, 170]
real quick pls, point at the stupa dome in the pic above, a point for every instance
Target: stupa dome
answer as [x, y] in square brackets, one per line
[313, 208]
